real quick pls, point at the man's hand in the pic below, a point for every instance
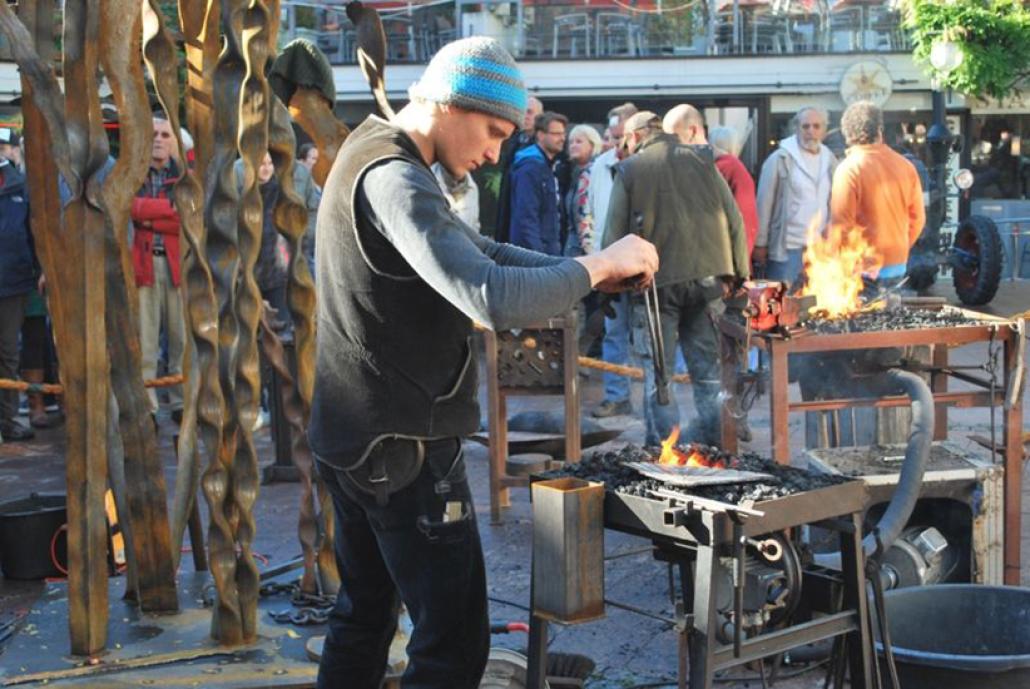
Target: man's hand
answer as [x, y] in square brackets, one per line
[760, 254]
[629, 263]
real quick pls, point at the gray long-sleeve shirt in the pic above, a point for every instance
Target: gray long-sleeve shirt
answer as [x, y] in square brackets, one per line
[499, 285]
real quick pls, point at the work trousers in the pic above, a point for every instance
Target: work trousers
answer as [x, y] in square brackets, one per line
[160, 307]
[408, 551]
[12, 312]
[687, 314]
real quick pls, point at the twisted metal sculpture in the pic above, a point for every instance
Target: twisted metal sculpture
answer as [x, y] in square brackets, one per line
[253, 145]
[204, 406]
[220, 217]
[151, 571]
[92, 313]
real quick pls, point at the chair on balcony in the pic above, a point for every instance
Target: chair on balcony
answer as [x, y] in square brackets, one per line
[887, 31]
[572, 30]
[617, 34]
[329, 42]
[846, 21]
[723, 34]
[804, 33]
[400, 39]
[767, 33]
[432, 39]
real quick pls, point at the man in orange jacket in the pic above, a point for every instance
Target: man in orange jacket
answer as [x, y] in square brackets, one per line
[155, 256]
[878, 192]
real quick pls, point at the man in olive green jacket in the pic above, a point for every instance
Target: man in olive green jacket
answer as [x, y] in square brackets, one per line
[674, 198]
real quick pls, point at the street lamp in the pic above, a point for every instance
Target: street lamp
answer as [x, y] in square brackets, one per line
[945, 56]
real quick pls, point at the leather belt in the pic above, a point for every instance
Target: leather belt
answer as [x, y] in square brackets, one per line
[158, 251]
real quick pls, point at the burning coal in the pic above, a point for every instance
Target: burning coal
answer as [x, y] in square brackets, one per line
[693, 456]
[612, 468]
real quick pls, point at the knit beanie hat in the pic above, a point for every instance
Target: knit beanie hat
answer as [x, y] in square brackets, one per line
[476, 73]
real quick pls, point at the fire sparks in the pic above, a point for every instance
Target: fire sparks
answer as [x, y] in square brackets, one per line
[671, 454]
[834, 266]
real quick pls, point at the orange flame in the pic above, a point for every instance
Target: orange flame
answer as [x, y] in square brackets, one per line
[834, 265]
[675, 456]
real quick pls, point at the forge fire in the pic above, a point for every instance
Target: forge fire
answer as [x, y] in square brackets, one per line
[611, 468]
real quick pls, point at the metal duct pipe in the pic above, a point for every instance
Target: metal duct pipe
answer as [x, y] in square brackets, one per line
[917, 454]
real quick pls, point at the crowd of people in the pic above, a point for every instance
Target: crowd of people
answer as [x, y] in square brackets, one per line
[566, 190]
[572, 189]
[154, 238]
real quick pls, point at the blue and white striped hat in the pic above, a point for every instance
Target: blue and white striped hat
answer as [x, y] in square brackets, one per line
[476, 73]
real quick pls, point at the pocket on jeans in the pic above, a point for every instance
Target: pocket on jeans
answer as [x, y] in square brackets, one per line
[448, 529]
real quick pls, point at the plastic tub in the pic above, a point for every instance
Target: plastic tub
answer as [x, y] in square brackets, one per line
[960, 636]
[28, 526]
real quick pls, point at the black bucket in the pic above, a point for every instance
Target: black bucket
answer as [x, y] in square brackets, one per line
[29, 528]
[960, 636]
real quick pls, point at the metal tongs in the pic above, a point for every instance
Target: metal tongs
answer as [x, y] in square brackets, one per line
[654, 331]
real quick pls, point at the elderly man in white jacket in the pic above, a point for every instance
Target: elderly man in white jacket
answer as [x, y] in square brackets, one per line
[794, 196]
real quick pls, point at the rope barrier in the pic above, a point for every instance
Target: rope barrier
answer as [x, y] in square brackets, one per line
[50, 389]
[628, 371]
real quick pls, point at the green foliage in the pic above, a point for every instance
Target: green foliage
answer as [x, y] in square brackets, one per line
[994, 36]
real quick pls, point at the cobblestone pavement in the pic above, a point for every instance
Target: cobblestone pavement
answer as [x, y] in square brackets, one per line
[630, 650]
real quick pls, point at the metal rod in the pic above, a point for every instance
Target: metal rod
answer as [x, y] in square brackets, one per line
[739, 572]
[654, 325]
[628, 553]
[639, 611]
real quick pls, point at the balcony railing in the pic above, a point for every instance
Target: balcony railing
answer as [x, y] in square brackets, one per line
[607, 29]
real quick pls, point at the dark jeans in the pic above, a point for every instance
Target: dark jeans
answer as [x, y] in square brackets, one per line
[687, 313]
[407, 551]
[12, 312]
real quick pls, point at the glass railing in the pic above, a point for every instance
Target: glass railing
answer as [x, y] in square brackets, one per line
[608, 29]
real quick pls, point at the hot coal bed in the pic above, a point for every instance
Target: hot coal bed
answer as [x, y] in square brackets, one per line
[750, 590]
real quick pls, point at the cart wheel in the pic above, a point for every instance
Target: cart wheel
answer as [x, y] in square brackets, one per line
[976, 260]
[922, 271]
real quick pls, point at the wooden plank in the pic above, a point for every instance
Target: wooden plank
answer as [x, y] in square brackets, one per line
[85, 377]
[953, 399]
[959, 335]
[939, 385]
[497, 424]
[779, 402]
[1012, 434]
[570, 354]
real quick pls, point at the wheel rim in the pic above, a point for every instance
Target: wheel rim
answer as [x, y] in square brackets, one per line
[967, 242]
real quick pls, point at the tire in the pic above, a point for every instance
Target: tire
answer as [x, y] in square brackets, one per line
[922, 271]
[976, 260]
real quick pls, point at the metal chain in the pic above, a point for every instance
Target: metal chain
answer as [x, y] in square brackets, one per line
[309, 608]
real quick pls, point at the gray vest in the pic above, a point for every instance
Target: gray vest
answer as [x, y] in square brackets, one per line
[394, 358]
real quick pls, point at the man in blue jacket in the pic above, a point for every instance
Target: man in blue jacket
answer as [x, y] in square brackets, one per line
[534, 191]
[19, 272]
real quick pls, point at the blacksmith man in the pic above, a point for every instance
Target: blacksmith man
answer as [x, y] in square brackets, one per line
[400, 280]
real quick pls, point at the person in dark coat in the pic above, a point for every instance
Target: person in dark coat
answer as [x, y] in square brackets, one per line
[535, 222]
[516, 142]
[19, 274]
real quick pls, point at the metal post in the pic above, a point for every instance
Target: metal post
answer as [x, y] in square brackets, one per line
[938, 140]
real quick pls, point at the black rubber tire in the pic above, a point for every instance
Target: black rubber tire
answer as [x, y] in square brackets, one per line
[922, 271]
[978, 235]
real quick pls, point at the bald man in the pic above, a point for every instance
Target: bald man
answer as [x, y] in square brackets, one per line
[687, 124]
[515, 143]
